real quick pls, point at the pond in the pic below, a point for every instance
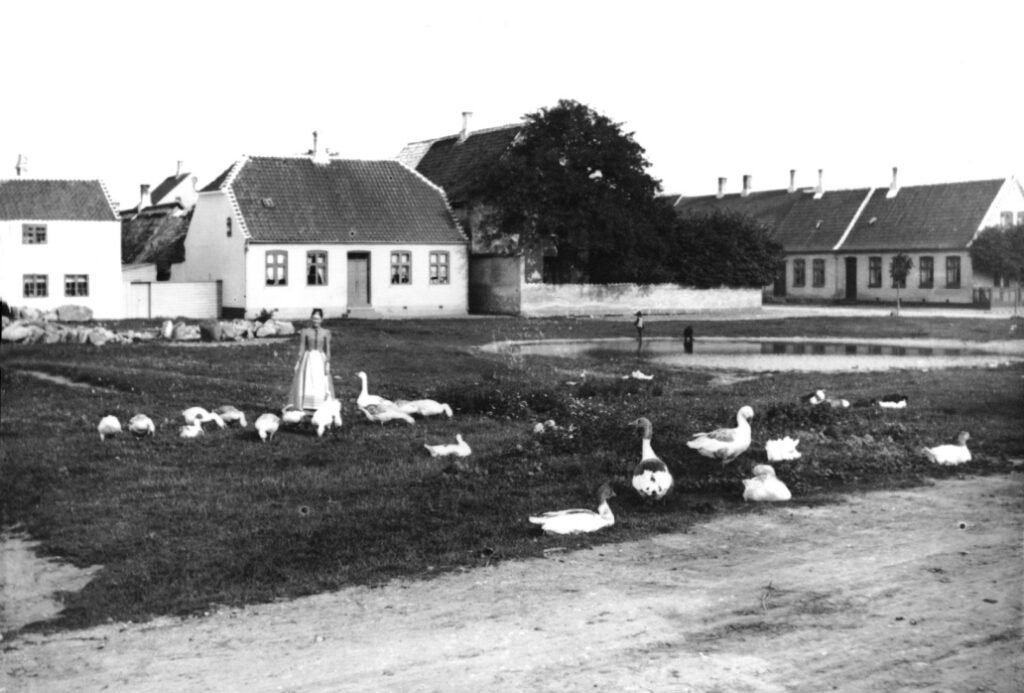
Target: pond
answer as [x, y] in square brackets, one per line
[798, 354]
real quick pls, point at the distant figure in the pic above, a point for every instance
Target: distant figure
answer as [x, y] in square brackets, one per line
[639, 324]
[688, 340]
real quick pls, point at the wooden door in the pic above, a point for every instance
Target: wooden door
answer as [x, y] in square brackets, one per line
[358, 280]
[851, 279]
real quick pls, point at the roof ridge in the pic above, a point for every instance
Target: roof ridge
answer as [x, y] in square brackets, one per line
[227, 187]
[471, 133]
[110, 200]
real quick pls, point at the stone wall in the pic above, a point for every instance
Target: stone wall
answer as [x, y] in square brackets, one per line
[538, 300]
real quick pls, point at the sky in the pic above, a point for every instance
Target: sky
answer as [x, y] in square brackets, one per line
[123, 91]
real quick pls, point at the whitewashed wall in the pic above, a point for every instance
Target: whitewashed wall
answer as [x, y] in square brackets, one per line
[538, 300]
[211, 254]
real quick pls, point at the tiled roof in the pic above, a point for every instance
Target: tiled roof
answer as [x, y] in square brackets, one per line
[294, 200]
[166, 186]
[767, 206]
[65, 200]
[922, 217]
[818, 224]
[453, 165]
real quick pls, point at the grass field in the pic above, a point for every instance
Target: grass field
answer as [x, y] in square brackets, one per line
[182, 525]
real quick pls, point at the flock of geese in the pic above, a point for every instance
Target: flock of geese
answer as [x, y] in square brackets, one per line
[651, 477]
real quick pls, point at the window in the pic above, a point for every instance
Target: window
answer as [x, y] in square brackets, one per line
[316, 268]
[818, 273]
[1006, 219]
[952, 272]
[401, 267]
[1020, 218]
[228, 225]
[35, 285]
[76, 284]
[799, 272]
[439, 267]
[926, 268]
[277, 268]
[32, 234]
[874, 272]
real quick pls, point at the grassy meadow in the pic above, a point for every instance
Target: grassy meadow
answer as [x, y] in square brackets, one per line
[181, 526]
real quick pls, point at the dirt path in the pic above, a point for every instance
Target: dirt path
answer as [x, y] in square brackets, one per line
[890, 591]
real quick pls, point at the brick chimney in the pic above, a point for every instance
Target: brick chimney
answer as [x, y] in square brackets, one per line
[721, 187]
[178, 172]
[22, 166]
[792, 180]
[820, 190]
[144, 200]
[894, 187]
[319, 156]
[466, 115]
[746, 185]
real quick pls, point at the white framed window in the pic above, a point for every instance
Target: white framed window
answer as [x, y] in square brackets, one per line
[952, 272]
[36, 285]
[401, 267]
[277, 268]
[874, 272]
[817, 272]
[799, 272]
[926, 270]
[76, 284]
[316, 268]
[33, 234]
[440, 264]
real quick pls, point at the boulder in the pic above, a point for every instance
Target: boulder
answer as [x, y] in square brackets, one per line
[267, 329]
[284, 328]
[16, 332]
[167, 329]
[210, 331]
[74, 313]
[5, 321]
[26, 313]
[244, 328]
[99, 336]
[186, 333]
[228, 332]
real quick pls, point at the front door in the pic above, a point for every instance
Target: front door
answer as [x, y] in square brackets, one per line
[851, 279]
[779, 290]
[358, 280]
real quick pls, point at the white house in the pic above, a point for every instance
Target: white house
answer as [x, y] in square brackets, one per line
[60, 244]
[355, 238]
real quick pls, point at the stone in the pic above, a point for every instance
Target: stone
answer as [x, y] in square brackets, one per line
[228, 332]
[267, 329]
[210, 331]
[186, 333]
[99, 336]
[26, 313]
[284, 328]
[167, 329]
[74, 313]
[16, 332]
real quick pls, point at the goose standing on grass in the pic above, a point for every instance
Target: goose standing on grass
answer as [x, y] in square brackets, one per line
[202, 416]
[782, 449]
[765, 486]
[950, 454]
[816, 397]
[266, 426]
[578, 520]
[292, 415]
[326, 416]
[460, 448]
[365, 399]
[892, 401]
[142, 425]
[231, 415]
[382, 414]
[191, 430]
[423, 407]
[651, 477]
[109, 425]
[725, 444]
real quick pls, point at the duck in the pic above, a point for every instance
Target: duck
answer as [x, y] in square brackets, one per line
[382, 414]
[814, 398]
[266, 426]
[460, 448]
[423, 407]
[193, 429]
[292, 415]
[578, 520]
[326, 415]
[950, 454]
[892, 401]
[231, 415]
[203, 416]
[781, 449]
[765, 486]
[109, 425]
[141, 425]
[365, 399]
[725, 444]
[651, 477]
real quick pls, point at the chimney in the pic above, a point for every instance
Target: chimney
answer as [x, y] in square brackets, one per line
[820, 190]
[746, 185]
[466, 115]
[178, 172]
[22, 166]
[144, 200]
[792, 180]
[319, 157]
[721, 187]
[894, 187]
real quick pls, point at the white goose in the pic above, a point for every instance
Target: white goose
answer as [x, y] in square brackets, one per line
[782, 449]
[231, 415]
[651, 477]
[193, 429]
[266, 426]
[578, 520]
[423, 407]
[365, 399]
[109, 425]
[292, 415]
[725, 444]
[816, 397]
[327, 415]
[460, 448]
[382, 414]
[765, 486]
[141, 425]
[892, 401]
[950, 454]
[202, 416]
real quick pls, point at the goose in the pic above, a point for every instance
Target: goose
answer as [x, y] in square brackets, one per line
[459, 449]
[892, 401]
[950, 454]
[199, 414]
[109, 426]
[782, 449]
[816, 397]
[423, 407]
[639, 375]
[194, 429]
[578, 520]
[292, 415]
[266, 426]
[837, 403]
[383, 414]
[230, 415]
[365, 399]
[327, 415]
[725, 444]
[765, 486]
[651, 477]
[142, 425]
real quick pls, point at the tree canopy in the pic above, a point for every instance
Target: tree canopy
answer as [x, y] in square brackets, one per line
[724, 249]
[999, 251]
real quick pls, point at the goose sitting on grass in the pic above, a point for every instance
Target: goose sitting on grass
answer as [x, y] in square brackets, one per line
[578, 520]
[460, 448]
[782, 449]
[365, 399]
[202, 416]
[327, 415]
[141, 425]
[816, 397]
[892, 401]
[382, 414]
[837, 402]
[725, 444]
[266, 426]
[231, 415]
[423, 407]
[109, 425]
[950, 454]
[651, 477]
[194, 429]
[765, 486]
[292, 415]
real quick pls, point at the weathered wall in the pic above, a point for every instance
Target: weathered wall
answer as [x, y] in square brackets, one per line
[592, 299]
[494, 285]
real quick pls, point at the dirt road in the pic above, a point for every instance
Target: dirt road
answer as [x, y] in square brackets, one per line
[909, 590]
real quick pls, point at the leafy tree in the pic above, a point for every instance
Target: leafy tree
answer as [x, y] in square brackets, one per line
[576, 182]
[724, 249]
[899, 267]
[1000, 252]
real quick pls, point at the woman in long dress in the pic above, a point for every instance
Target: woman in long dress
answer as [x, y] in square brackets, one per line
[311, 385]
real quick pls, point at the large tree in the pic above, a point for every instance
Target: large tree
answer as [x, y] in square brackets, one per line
[1000, 252]
[575, 183]
[724, 249]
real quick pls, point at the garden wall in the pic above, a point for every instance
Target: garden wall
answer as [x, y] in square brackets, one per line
[538, 300]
